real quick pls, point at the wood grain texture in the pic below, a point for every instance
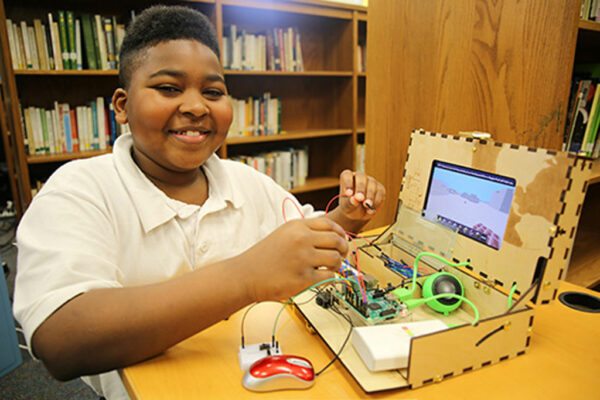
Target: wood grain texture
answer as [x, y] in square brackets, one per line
[495, 66]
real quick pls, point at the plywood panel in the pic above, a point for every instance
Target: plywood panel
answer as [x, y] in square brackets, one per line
[495, 66]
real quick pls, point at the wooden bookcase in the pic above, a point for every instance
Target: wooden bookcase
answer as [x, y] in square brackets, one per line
[322, 107]
[503, 67]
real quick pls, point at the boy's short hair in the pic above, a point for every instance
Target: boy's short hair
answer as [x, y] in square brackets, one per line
[158, 24]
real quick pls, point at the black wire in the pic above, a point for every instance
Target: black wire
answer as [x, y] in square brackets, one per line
[337, 356]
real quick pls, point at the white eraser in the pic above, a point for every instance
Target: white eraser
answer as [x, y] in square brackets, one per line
[254, 352]
[385, 347]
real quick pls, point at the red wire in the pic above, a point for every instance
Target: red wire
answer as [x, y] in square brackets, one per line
[283, 208]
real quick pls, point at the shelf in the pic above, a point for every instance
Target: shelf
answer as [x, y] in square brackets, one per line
[319, 183]
[341, 74]
[290, 135]
[589, 25]
[87, 72]
[48, 158]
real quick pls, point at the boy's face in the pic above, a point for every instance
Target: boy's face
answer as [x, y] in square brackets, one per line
[176, 106]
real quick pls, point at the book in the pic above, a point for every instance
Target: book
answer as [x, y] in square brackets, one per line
[14, 56]
[110, 43]
[78, 50]
[101, 120]
[591, 130]
[74, 130]
[88, 42]
[101, 39]
[581, 116]
[35, 58]
[24, 37]
[55, 38]
[48, 48]
[63, 40]
[71, 39]
[40, 41]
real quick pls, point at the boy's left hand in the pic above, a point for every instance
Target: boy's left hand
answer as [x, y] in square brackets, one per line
[361, 195]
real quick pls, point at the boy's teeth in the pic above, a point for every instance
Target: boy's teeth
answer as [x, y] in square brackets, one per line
[191, 133]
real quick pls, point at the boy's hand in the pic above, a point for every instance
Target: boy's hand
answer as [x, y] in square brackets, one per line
[360, 196]
[295, 256]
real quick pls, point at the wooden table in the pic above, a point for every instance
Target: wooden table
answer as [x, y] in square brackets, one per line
[563, 363]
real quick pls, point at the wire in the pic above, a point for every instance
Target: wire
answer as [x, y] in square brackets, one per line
[295, 205]
[451, 295]
[511, 294]
[244, 318]
[337, 355]
[305, 290]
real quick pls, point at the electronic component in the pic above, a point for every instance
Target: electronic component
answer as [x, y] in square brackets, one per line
[378, 308]
[253, 352]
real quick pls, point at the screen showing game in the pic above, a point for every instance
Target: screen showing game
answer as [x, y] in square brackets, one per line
[476, 203]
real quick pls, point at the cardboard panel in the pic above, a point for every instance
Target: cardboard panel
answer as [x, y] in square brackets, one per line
[450, 353]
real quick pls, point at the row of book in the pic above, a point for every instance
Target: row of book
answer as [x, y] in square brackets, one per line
[288, 167]
[590, 10]
[277, 49]
[256, 116]
[66, 42]
[68, 129]
[583, 119]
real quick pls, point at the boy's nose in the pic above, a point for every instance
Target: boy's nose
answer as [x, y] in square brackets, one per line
[194, 105]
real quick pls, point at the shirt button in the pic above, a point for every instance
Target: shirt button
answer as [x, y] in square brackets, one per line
[204, 247]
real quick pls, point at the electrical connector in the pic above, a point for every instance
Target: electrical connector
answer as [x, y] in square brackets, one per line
[251, 353]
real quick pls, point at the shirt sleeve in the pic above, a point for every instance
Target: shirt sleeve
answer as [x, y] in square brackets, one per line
[66, 246]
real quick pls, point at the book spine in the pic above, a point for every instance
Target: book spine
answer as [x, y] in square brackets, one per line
[14, 56]
[48, 48]
[101, 42]
[72, 39]
[41, 44]
[64, 41]
[25, 40]
[58, 55]
[45, 135]
[74, 131]
[78, 49]
[88, 41]
[35, 58]
[110, 43]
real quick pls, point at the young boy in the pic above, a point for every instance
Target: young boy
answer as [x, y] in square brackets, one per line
[124, 255]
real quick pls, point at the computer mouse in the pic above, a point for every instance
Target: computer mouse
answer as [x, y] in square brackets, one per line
[279, 372]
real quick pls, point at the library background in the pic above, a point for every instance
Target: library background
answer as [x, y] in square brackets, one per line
[299, 73]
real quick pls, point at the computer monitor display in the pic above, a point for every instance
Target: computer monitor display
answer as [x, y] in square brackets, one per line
[476, 203]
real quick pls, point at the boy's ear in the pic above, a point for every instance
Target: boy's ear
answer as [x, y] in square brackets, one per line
[119, 100]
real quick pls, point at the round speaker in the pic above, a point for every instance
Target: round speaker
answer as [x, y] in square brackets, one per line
[440, 283]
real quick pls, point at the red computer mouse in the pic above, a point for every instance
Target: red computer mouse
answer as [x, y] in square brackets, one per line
[278, 373]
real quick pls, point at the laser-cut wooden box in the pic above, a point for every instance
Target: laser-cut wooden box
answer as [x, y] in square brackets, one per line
[548, 193]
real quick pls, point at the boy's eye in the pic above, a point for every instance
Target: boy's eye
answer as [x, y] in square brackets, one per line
[167, 89]
[213, 93]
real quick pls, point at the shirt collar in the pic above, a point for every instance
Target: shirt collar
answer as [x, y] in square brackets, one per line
[153, 206]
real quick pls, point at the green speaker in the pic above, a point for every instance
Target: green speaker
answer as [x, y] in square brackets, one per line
[441, 283]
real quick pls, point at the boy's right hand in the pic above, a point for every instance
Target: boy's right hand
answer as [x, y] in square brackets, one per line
[292, 258]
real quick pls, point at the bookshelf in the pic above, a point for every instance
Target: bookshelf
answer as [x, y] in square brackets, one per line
[322, 107]
[584, 266]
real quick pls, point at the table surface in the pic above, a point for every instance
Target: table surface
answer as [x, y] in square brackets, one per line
[563, 362]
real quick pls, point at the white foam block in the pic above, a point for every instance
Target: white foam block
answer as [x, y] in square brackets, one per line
[385, 347]
[254, 352]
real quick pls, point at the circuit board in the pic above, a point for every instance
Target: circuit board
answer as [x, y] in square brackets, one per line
[380, 306]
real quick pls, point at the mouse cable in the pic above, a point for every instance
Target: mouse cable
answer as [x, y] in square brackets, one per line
[337, 355]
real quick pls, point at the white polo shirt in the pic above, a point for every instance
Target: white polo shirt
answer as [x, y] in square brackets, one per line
[100, 222]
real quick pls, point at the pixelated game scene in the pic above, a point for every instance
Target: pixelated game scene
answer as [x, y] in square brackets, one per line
[476, 203]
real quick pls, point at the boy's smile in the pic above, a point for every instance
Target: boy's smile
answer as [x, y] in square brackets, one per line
[177, 108]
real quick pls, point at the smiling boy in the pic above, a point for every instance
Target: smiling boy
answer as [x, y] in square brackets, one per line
[124, 255]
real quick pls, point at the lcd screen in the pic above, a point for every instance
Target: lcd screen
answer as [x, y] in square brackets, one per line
[476, 203]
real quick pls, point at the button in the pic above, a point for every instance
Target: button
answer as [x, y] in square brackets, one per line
[204, 247]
